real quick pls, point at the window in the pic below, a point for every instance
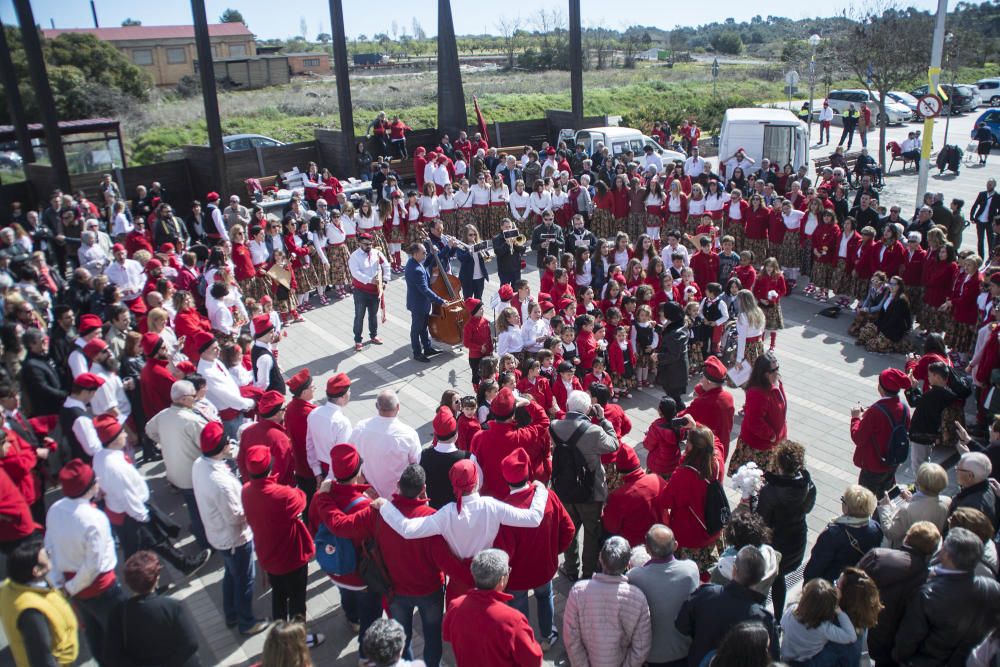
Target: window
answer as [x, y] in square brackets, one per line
[176, 55]
[142, 56]
[778, 143]
[988, 85]
[262, 142]
[618, 147]
[310, 62]
[237, 49]
[991, 117]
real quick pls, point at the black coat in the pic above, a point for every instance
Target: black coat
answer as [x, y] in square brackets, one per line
[712, 610]
[978, 497]
[840, 546]
[784, 503]
[508, 256]
[895, 321]
[43, 392]
[151, 630]
[898, 573]
[980, 204]
[555, 245]
[672, 360]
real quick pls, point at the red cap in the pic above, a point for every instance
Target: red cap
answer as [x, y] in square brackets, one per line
[502, 406]
[151, 342]
[211, 438]
[258, 460]
[88, 381]
[94, 347]
[262, 324]
[546, 306]
[76, 478]
[550, 150]
[516, 466]
[893, 380]
[167, 247]
[565, 303]
[212, 196]
[88, 323]
[364, 236]
[269, 404]
[626, 460]
[185, 367]
[463, 478]
[344, 461]
[116, 247]
[202, 340]
[444, 423]
[338, 384]
[299, 381]
[715, 370]
[266, 299]
[473, 304]
[107, 427]
[544, 296]
[506, 292]
[154, 264]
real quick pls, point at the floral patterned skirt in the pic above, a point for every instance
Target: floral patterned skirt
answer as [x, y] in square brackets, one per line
[860, 320]
[602, 224]
[705, 557]
[822, 275]
[874, 341]
[396, 235]
[480, 218]
[450, 220]
[255, 287]
[789, 254]
[337, 255]
[462, 218]
[493, 218]
[759, 248]
[842, 281]
[306, 278]
[743, 453]
[635, 227]
[915, 293]
[806, 258]
[773, 319]
[959, 336]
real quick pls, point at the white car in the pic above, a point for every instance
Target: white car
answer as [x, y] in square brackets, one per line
[245, 142]
[989, 91]
[841, 100]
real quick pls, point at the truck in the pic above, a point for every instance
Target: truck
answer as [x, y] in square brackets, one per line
[369, 59]
[775, 134]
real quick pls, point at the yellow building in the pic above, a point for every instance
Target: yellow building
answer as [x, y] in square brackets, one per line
[168, 52]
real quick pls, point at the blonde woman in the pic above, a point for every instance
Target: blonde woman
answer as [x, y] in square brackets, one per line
[750, 325]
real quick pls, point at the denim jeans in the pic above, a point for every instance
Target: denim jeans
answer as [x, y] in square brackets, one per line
[544, 606]
[836, 655]
[431, 609]
[197, 527]
[231, 427]
[237, 586]
[361, 607]
[365, 301]
[94, 613]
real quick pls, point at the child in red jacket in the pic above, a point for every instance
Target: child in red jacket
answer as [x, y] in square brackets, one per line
[704, 263]
[622, 363]
[745, 270]
[468, 424]
[476, 337]
[768, 289]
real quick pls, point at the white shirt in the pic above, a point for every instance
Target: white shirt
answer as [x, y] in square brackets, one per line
[262, 368]
[220, 223]
[386, 446]
[77, 360]
[519, 204]
[220, 505]
[222, 392]
[110, 395]
[825, 114]
[539, 203]
[221, 317]
[365, 267]
[652, 160]
[531, 330]
[744, 331]
[78, 539]
[83, 428]
[474, 528]
[793, 219]
[122, 225]
[667, 251]
[125, 490]
[694, 166]
[128, 276]
[509, 342]
[326, 426]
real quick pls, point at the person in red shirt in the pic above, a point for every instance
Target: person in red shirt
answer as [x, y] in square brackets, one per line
[940, 271]
[871, 430]
[16, 524]
[156, 379]
[704, 263]
[713, 405]
[269, 431]
[662, 441]
[825, 243]
[397, 136]
[467, 423]
[745, 271]
[637, 504]
[491, 446]
[296, 426]
[476, 336]
[764, 416]
[534, 552]
[961, 330]
[483, 629]
[913, 271]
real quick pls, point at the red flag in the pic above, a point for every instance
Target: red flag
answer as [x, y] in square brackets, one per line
[481, 121]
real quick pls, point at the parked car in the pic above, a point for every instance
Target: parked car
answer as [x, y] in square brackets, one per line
[904, 98]
[958, 101]
[989, 90]
[977, 99]
[11, 160]
[619, 140]
[992, 119]
[841, 100]
[245, 142]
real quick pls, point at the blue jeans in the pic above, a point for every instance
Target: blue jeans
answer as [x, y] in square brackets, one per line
[231, 427]
[431, 608]
[543, 604]
[364, 301]
[197, 527]
[420, 339]
[95, 613]
[360, 607]
[237, 586]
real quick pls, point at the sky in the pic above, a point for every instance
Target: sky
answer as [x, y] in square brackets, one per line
[268, 19]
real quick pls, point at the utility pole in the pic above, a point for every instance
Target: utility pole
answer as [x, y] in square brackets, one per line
[575, 61]
[206, 68]
[93, 10]
[813, 42]
[340, 66]
[934, 74]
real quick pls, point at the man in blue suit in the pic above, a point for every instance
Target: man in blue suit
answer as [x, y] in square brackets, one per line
[419, 299]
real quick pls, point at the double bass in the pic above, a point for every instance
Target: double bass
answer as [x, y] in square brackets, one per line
[448, 320]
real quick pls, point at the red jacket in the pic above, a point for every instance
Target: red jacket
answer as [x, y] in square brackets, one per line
[706, 268]
[494, 444]
[590, 378]
[419, 163]
[187, 323]
[864, 263]
[662, 450]
[747, 275]
[920, 366]
[714, 409]
[467, 430]
[475, 335]
[870, 433]
[684, 499]
[744, 207]
[913, 267]
[484, 631]
[619, 420]
[559, 390]
[19, 465]
[398, 129]
[776, 227]
[273, 510]
[155, 382]
[619, 203]
[540, 390]
[616, 357]
[586, 347]
[242, 262]
[827, 236]
[852, 250]
[892, 260]
[939, 278]
[635, 506]
[758, 223]
[765, 283]
[135, 241]
[296, 427]
[963, 298]
[328, 508]
[17, 521]
[764, 424]
[665, 212]
[534, 552]
[272, 434]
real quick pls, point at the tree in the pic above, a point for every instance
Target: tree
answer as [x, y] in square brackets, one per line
[601, 42]
[232, 16]
[510, 31]
[634, 40]
[362, 38]
[395, 28]
[418, 30]
[324, 38]
[727, 41]
[130, 22]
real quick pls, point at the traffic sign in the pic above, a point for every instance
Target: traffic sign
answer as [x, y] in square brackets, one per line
[929, 106]
[792, 79]
[715, 67]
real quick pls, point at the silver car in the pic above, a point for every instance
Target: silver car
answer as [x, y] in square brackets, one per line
[989, 90]
[245, 142]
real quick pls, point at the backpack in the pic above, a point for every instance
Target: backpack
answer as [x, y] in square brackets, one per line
[717, 512]
[336, 555]
[898, 449]
[572, 478]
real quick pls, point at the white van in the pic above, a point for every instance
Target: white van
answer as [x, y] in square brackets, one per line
[775, 134]
[620, 140]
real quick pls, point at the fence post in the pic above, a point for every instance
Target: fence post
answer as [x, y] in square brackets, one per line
[260, 160]
[496, 130]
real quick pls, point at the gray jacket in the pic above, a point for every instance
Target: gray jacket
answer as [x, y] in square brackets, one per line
[666, 584]
[594, 443]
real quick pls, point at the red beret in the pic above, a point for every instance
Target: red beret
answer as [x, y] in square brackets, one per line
[463, 477]
[550, 150]
[154, 264]
[202, 340]
[502, 406]
[893, 380]
[364, 236]
[212, 196]
[88, 323]
[88, 381]
[715, 370]
[444, 423]
[211, 438]
[269, 404]
[186, 367]
[116, 247]
[473, 304]
[544, 296]
[344, 461]
[76, 478]
[258, 460]
[167, 247]
[565, 303]
[546, 306]
[261, 325]
[94, 347]
[516, 466]
[626, 460]
[266, 299]
[151, 342]
[338, 384]
[107, 427]
[300, 381]
[506, 292]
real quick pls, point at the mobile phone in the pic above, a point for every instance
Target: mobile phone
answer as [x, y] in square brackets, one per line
[894, 492]
[678, 422]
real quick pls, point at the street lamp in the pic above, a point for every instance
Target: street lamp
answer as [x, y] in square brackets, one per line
[813, 42]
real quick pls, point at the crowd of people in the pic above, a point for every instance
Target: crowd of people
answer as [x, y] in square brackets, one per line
[132, 335]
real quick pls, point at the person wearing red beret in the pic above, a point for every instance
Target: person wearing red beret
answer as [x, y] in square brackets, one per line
[283, 543]
[504, 436]
[871, 431]
[156, 379]
[637, 504]
[534, 552]
[764, 417]
[476, 336]
[75, 420]
[88, 329]
[187, 323]
[438, 459]
[713, 404]
[327, 425]
[266, 373]
[269, 430]
[223, 392]
[297, 425]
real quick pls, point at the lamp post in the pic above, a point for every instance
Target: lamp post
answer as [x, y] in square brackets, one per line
[813, 42]
[953, 61]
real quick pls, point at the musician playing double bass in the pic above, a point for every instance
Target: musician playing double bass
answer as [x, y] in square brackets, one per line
[370, 272]
[419, 301]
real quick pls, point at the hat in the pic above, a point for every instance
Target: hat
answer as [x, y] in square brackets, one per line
[563, 367]
[344, 461]
[464, 479]
[300, 381]
[270, 403]
[185, 367]
[544, 296]
[107, 427]
[203, 340]
[444, 423]
[550, 150]
[546, 306]
[893, 380]
[565, 303]
[94, 347]
[473, 304]
[211, 439]
[88, 381]
[516, 467]
[212, 196]
[266, 299]
[338, 384]
[167, 247]
[88, 323]
[715, 370]
[258, 461]
[506, 292]
[502, 406]
[626, 460]
[76, 478]
[364, 236]
[151, 342]
[116, 247]
[154, 264]
[262, 325]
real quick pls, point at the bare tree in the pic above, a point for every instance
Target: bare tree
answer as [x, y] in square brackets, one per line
[303, 28]
[418, 30]
[510, 31]
[634, 39]
[394, 28]
[548, 21]
[599, 41]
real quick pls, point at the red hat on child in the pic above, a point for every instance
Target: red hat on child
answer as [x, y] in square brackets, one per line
[88, 323]
[167, 247]
[464, 479]
[473, 304]
[516, 466]
[211, 438]
[258, 460]
[626, 460]
[546, 306]
[299, 381]
[185, 367]
[262, 324]
[338, 384]
[212, 196]
[76, 478]
[502, 406]
[344, 461]
[269, 404]
[715, 370]
[94, 348]
[506, 292]
[893, 380]
[88, 381]
[203, 340]
[107, 428]
[444, 423]
[151, 342]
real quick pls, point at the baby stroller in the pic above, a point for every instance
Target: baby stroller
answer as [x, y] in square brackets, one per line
[949, 158]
